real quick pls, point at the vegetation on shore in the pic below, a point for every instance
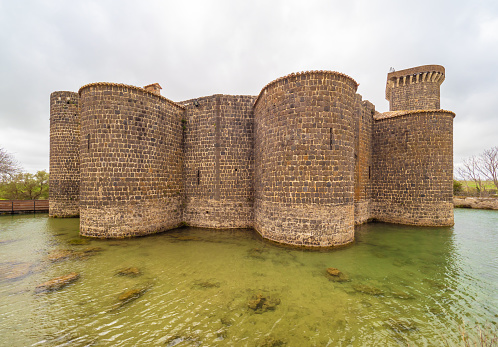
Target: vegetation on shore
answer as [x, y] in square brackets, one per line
[15, 184]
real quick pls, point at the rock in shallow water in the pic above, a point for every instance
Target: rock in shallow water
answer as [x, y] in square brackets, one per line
[57, 283]
[130, 295]
[336, 275]
[401, 325]
[260, 303]
[366, 289]
[14, 271]
[129, 271]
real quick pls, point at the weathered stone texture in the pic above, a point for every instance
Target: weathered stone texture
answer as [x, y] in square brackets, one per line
[302, 163]
[415, 88]
[363, 121]
[219, 161]
[304, 145]
[64, 182]
[413, 171]
[131, 161]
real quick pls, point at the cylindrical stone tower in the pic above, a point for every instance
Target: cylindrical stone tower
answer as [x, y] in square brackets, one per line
[415, 89]
[131, 161]
[64, 182]
[413, 167]
[304, 159]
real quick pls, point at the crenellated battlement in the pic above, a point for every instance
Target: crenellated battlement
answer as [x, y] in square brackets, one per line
[415, 88]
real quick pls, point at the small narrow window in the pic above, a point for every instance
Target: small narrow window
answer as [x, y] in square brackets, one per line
[88, 141]
[198, 177]
[369, 173]
[331, 138]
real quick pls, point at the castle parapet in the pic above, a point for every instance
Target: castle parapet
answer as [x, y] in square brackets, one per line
[415, 89]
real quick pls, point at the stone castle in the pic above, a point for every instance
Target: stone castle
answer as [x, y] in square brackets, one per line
[301, 163]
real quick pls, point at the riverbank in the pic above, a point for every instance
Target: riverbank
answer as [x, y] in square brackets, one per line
[475, 202]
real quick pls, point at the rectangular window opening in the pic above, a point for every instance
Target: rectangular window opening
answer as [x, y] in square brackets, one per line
[198, 177]
[88, 141]
[331, 138]
[369, 173]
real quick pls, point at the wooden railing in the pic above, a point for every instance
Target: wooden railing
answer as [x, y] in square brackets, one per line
[22, 206]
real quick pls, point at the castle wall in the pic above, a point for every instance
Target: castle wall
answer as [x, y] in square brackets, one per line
[415, 89]
[363, 122]
[413, 167]
[219, 161]
[131, 161]
[64, 182]
[304, 143]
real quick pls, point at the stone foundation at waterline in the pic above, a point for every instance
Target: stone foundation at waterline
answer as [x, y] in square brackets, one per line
[302, 162]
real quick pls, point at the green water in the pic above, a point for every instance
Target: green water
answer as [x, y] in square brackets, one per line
[407, 286]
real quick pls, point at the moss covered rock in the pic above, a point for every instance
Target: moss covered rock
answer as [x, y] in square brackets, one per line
[57, 283]
[260, 303]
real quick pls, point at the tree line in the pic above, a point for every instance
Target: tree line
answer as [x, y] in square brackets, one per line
[15, 184]
[481, 171]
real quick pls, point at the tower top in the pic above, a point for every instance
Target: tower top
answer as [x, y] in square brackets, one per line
[415, 88]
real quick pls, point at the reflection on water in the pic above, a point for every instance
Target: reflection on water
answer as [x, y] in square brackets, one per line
[191, 287]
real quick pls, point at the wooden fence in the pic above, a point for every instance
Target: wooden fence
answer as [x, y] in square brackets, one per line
[23, 206]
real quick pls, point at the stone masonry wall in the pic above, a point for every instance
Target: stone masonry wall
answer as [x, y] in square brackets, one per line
[219, 161]
[64, 179]
[413, 167]
[131, 161]
[363, 122]
[304, 144]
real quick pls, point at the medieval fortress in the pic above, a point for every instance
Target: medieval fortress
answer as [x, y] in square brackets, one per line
[301, 163]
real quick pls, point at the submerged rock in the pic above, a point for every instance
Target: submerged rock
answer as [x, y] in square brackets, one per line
[129, 296]
[401, 325]
[78, 242]
[129, 271]
[66, 254]
[61, 254]
[366, 289]
[332, 271]
[57, 283]
[336, 275]
[205, 284]
[270, 341]
[260, 303]
[13, 271]
[92, 250]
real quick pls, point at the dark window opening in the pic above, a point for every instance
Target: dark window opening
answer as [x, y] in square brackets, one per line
[369, 173]
[235, 170]
[198, 177]
[88, 141]
[331, 138]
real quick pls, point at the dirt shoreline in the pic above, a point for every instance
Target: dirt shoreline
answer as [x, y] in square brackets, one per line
[475, 202]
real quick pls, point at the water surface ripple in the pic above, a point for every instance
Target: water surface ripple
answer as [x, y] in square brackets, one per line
[198, 287]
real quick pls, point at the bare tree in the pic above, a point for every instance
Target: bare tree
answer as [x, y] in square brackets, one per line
[470, 171]
[8, 165]
[488, 165]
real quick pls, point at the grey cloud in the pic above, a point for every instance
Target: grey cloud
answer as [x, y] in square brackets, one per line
[196, 48]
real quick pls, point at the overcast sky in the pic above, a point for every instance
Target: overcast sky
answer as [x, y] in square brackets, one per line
[199, 48]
